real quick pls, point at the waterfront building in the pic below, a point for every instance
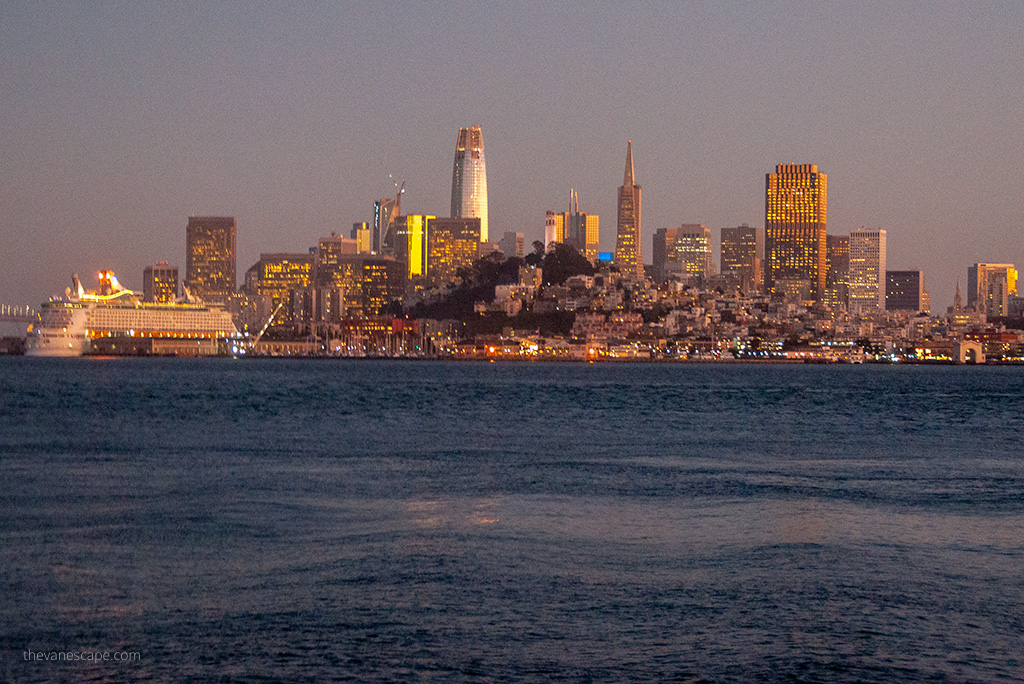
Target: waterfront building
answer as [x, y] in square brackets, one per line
[452, 244]
[990, 286]
[160, 283]
[628, 254]
[362, 233]
[683, 252]
[210, 258]
[278, 276]
[837, 271]
[742, 253]
[795, 221]
[469, 179]
[368, 284]
[905, 291]
[867, 270]
[512, 244]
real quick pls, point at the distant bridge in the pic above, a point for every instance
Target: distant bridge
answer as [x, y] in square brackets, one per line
[12, 313]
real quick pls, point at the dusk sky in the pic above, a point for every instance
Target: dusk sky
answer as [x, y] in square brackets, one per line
[122, 119]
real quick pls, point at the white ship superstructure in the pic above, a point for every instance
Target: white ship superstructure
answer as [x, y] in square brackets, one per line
[69, 324]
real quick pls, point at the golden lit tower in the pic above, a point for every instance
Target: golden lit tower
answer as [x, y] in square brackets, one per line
[469, 179]
[627, 242]
[795, 243]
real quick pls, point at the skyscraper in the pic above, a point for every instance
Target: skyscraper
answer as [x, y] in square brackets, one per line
[627, 241]
[362, 234]
[742, 252]
[904, 291]
[837, 271]
[795, 216]
[210, 258]
[512, 244]
[684, 252]
[469, 179]
[867, 270]
[452, 244]
[160, 283]
[409, 246]
[581, 230]
[989, 287]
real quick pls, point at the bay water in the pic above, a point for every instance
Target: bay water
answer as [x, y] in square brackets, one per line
[276, 520]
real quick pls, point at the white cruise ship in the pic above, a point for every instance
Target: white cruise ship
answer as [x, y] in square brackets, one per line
[69, 325]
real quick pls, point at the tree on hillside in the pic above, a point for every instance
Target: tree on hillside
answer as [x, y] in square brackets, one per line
[562, 263]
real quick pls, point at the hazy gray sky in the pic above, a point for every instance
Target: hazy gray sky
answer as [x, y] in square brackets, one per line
[122, 118]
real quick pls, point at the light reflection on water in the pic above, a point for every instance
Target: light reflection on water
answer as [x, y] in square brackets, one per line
[402, 521]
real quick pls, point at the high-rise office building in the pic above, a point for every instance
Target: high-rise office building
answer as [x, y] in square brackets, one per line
[469, 179]
[363, 235]
[368, 284]
[410, 244]
[904, 291]
[684, 252]
[990, 286]
[837, 271]
[581, 230]
[451, 244]
[160, 283]
[742, 253]
[794, 225]
[512, 244]
[628, 254]
[867, 270]
[210, 258]
[384, 212]
[279, 277]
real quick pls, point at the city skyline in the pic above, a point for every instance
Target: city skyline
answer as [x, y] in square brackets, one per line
[121, 124]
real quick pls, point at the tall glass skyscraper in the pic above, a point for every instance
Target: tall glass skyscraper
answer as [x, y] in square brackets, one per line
[794, 225]
[210, 258]
[469, 179]
[867, 270]
[627, 241]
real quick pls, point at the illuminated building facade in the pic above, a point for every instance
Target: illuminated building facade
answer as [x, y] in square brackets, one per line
[581, 230]
[210, 258]
[451, 244]
[683, 252]
[554, 230]
[628, 254]
[410, 244]
[469, 179]
[795, 219]
[837, 271]
[160, 283]
[363, 235]
[904, 291]
[742, 253]
[279, 276]
[990, 286]
[867, 270]
[368, 284]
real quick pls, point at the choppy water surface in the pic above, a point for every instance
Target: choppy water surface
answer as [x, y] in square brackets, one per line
[398, 521]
